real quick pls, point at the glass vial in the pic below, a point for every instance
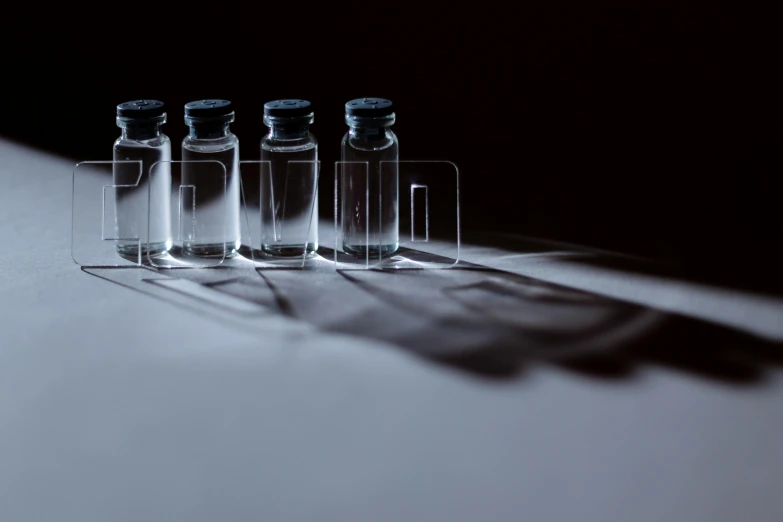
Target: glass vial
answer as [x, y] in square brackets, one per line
[370, 229]
[216, 226]
[142, 140]
[289, 197]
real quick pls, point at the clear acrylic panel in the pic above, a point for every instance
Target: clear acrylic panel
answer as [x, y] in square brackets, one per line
[407, 218]
[427, 221]
[189, 202]
[280, 206]
[353, 235]
[109, 214]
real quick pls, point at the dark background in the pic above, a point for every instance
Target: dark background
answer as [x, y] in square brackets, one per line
[648, 130]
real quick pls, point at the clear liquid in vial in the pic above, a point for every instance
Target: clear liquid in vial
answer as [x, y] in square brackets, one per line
[135, 205]
[215, 228]
[370, 226]
[289, 201]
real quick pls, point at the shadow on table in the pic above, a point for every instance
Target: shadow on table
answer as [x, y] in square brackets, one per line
[482, 321]
[737, 269]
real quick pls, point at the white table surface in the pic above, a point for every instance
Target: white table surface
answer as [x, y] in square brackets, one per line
[124, 405]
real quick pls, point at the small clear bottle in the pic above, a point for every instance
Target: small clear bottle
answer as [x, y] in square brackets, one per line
[289, 197]
[372, 231]
[217, 231]
[142, 140]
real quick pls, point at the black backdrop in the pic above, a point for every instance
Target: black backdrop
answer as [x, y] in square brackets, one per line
[649, 130]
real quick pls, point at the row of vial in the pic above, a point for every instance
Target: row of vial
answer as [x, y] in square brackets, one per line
[368, 144]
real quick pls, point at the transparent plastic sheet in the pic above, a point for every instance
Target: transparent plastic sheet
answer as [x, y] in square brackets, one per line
[96, 235]
[201, 209]
[123, 216]
[422, 231]
[351, 214]
[280, 213]
[428, 215]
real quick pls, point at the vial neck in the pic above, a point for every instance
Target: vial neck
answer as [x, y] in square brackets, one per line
[209, 131]
[289, 131]
[141, 132]
[364, 133]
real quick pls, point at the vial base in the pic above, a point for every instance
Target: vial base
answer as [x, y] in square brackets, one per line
[289, 251]
[130, 251]
[374, 251]
[212, 250]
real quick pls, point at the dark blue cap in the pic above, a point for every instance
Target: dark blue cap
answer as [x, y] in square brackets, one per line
[208, 108]
[141, 109]
[288, 108]
[373, 107]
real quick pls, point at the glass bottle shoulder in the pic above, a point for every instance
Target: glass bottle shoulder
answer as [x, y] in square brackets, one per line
[229, 141]
[363, 143]
[272, 144]
[159, 141]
